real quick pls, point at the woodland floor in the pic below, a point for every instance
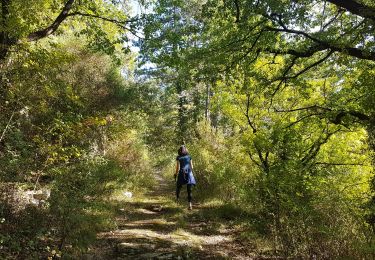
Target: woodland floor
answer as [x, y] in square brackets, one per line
[154, 226]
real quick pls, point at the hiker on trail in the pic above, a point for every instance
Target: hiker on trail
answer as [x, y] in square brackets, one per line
[184, 173]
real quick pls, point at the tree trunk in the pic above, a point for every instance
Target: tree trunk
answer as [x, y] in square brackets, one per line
[371, 143]
[207, 105]
[182, 118]
[4, 37]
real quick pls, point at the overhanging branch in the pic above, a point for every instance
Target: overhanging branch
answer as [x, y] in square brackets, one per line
[335, 116]
[318, 43]
[34, 36]
[247, 115]
[354, 7]
[119, 23]
[315, 148]
[342, 164]
[322, 45]
[308, 52]
[65, 13]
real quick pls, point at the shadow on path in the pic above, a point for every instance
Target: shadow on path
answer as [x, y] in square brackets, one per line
[159, 228]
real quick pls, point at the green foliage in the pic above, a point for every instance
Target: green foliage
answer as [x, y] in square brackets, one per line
[274, 100]
[286, 127]
[76, 206]
[67, 129]
[220, 165]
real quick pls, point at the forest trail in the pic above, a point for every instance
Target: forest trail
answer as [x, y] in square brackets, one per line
[156, 227]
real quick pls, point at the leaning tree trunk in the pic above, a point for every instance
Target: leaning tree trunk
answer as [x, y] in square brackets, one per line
[371, 143]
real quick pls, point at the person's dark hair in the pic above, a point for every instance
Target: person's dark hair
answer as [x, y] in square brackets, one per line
[182, 150]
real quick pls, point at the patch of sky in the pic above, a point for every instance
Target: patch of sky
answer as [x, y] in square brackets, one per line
[136, 8]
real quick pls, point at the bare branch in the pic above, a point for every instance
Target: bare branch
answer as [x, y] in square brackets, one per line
[248, 116]
[283, 77]
[64, 14]
[302, 118]
[339, 13]
[119, 23]
[356, 8]
[354, 184]
[351, 51]
[303, 108]
[341, 114]
[363, 118]
[315, 148]
[310, 66]
[253, 160]
[298, 53]
[34, 36]
[341, 164]
[7, 126]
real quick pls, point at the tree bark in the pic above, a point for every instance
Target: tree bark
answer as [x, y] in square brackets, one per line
[371, 144]
[54, 26]
[207, 105]
[6, 42]
[4, 37]
[182, 117]
[319, 45]
[356, 8]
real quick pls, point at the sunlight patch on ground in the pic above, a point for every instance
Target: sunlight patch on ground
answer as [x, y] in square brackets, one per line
[155, 221]
[179, 237]
[146, 211]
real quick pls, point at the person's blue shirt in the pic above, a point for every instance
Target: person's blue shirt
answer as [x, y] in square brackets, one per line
[185, 174]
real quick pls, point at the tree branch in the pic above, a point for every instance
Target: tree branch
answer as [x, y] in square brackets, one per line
[354, 7]
[253, 160]
[117, 22]
[298, 53]
[338, 119]
[352, 185]
[5, 40]
[7, 126]
[315, 148]
[302, 118]
[363, 118]
[351, 51]
[34, 36]
[238, 11]
[283, 77]
[341, 164]
[121, 24]
[339, 13]
[263, 160]
[303, 108]
[309, 67]
[248, 116]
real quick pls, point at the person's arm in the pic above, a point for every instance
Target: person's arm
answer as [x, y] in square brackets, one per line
[177, 168]
[191, 164]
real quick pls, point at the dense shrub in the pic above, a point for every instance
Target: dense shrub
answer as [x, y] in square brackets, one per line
[302, 212]
[72, 135]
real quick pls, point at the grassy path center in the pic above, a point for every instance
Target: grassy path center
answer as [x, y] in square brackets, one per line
[154, 226]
